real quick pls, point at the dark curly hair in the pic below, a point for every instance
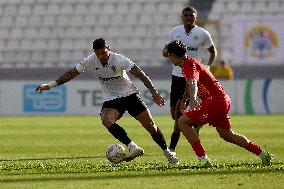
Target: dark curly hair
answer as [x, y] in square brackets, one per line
[190, 8]
[99, 44]
[177, 48]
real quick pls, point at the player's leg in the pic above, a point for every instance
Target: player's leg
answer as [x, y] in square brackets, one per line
[111, 112]
[176, 132]
[223, 126]
[185, 125]
[140, 112]
[147, 122]
[230, 136]
[176, 94]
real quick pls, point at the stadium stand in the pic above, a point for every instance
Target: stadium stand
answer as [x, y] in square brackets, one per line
[57, 33]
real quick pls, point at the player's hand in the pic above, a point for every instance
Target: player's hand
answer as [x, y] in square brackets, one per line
[193, 104]
[42, 87]
[158, 99]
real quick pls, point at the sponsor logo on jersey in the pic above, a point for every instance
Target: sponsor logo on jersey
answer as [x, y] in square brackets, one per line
[192, 48]
[48, 101]
[109, 78]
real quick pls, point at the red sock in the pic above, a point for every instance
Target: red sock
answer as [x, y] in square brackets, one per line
[254, 148]
[198, 148]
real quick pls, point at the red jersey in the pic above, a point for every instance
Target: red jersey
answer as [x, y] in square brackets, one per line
[208, 87]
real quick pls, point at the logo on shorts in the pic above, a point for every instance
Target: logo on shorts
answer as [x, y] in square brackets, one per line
[48, 101]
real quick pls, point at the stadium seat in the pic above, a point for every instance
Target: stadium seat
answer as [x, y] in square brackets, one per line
[28, 2]
[246, 7]
[52, 9]
[7, 21]
[121, 8]
[232, 6]
[81, 9]
[25, 9]
[67, 9]
[39, 9]
[26, 44]
[49, 21]
[150, 8]
[12, 45]
[16, 33]
[108, 8]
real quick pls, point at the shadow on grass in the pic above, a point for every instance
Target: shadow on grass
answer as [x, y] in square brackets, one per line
[171, 171]
[51, 158]
[56, 158]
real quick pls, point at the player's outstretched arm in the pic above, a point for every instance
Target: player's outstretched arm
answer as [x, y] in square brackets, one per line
[67, 76]
[213, 54]
[193, 103]
[137, 72]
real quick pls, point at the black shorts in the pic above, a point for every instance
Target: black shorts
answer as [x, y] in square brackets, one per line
[177, 89]
[132, 103]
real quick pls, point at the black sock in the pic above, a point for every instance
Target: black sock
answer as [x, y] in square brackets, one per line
[119, 133]
[174, 140]
[158, 137]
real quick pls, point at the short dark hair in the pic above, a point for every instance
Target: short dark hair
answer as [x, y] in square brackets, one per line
[190, 8]
[177, 48]
[99, 44]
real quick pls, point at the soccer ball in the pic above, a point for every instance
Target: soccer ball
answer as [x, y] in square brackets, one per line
[115, 153]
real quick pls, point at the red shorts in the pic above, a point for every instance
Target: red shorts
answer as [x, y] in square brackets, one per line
[215, 112]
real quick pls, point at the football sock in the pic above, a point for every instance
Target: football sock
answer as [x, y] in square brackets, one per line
[132, 145]
[119, 133]
[174, 140]
[158, 137]
[203, 157]
[254, 148]
[198, 149]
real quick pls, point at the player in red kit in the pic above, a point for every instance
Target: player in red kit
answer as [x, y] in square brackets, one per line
[209, 103]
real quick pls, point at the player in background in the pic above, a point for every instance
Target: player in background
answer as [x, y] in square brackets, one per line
[213, 109]
[196, 39]
[120, 95]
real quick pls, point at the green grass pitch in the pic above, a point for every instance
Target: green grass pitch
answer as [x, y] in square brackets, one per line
[69, 152]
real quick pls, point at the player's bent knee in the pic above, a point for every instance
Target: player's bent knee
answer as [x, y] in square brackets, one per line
[106, 122]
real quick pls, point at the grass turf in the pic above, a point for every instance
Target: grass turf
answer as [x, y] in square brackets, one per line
[69, 152]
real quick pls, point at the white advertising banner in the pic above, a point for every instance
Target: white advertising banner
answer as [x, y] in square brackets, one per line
[76, 97]
[85, 97]
[258, 40]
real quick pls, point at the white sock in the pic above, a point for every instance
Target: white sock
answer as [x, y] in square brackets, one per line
[262, 154]
[132, 145]
[203, 157]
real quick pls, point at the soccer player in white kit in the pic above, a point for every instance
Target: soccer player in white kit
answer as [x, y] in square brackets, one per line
[196, 39]
[120, 95]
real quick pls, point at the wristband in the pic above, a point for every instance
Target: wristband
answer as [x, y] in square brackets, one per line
[52, 84]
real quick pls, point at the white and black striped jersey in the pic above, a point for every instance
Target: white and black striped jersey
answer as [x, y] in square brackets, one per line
[113, 79]
[195, 40]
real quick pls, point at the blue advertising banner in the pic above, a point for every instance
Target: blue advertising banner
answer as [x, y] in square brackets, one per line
[47, 101]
